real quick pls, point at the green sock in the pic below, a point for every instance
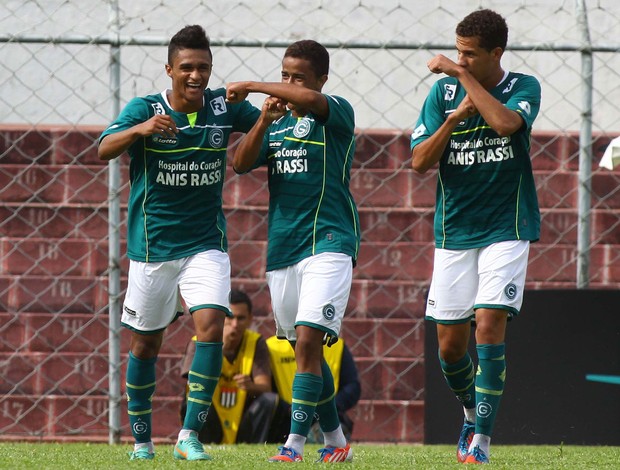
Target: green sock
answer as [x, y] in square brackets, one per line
[306, 391]
[460, 378]
[490, 380]
[326, 407]
[202, 379]
[140, 384]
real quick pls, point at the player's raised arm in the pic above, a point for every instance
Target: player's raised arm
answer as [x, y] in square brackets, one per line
[112, 145]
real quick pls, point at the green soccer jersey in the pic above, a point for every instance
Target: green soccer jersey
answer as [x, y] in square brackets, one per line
[175, 200]
[311, 209]
[485, 189]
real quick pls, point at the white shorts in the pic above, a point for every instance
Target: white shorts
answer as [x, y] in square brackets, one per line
[313, 292]
[152, 299]
[465, 280]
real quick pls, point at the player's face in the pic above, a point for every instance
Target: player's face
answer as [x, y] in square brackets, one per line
[300, 72]
[235, 327]
[482, 64]
[190, 72]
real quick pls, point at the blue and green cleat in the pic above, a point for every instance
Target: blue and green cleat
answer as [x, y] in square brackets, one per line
[141, 454]
[467, 434]
[476, 455]
[190, 448]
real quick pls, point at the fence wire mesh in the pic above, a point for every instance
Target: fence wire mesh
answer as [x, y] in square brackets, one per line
[57, 95]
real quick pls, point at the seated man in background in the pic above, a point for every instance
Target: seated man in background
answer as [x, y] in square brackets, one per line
[346, 383]
[243, 403]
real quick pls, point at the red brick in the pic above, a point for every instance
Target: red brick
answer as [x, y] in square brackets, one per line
[388, 421]
[247, 189]
[18, 373]
[86, 415]
[551, 150]
[13, 336]
[558, 226]
[395, 261]
[387, 188]
[76, 145]
[23, 415]
[360, 335]
[39, 256]
[378, 148]
[74, 373]
[246, 223]
[25, 144]
[606, 189]
[606, 227]
[393, 299]
[248, 259]
[26, 183]
[404, 225]
[400, 338]
[400, 379]
[42, 294]
[68, 332]
[101, 261]
[556, 189]
[552, 263]
[57, 221]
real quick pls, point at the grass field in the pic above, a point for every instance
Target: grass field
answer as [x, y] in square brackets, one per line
[43, 456]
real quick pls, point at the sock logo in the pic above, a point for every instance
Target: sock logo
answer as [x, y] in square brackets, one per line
[139, 427]
[300, 416]
[484, 409]
[202, 416]
[196, 387]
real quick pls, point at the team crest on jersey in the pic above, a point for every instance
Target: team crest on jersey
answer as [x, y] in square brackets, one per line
[449, 91]
[302, 128]
[216, 138]
[158, 108]
[218, 105]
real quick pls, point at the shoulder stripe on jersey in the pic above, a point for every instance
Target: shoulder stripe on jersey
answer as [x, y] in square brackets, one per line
[204, 149]
[304, 141]
[469, 131]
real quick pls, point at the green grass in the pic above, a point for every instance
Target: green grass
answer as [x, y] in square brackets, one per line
[43, 456]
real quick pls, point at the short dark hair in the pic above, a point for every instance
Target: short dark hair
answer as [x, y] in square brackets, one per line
[190, 37]
[240, 297]
[311, 51]
[490, 27]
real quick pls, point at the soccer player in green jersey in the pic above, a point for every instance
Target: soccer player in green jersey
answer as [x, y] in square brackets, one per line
[176, 231]
[306, 139]
[476, 124]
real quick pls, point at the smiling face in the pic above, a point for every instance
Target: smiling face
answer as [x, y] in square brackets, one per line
[190, 71]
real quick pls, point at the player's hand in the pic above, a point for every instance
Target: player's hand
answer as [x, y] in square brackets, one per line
[236, 92]
[273, 108]
[465, 109]
[161, 124]
[244, 382]
[441, 64]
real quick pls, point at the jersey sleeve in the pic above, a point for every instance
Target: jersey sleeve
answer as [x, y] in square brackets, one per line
[245, 117]
[341, 114]
[526, 99]
[136, 112]
[431, 116]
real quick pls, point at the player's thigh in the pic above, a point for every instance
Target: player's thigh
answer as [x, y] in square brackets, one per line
[453, 286]
[502, 269]
[325, 289]
[284, 285]
[151, 302]
[204, 281]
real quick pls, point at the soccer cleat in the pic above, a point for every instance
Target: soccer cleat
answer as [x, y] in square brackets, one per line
[286, 455]
[141, 454]
[190, 448]
[467, 434]
[331, 454]
[477, 455]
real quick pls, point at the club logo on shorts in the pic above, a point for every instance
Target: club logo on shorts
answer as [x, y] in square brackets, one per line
[300, 416]
[216, 137]
[511, 291]
[329, 311]
[302, 128]
[484, 409]
[140, 427]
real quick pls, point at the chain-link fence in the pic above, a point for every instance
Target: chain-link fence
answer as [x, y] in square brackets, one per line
[69, 66]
